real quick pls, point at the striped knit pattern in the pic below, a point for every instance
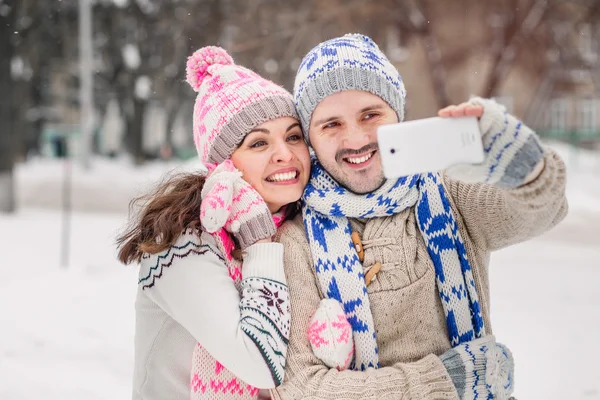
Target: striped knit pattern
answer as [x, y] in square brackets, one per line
[350, 62]
[340, 273]
[231, 101]
[512, 150]
[481, 369]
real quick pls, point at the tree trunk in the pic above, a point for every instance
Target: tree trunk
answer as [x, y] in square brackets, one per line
[506, 55]
[534, 113]
[595, 70]
[171, 116]
[36, 126]
[434, 54]
[7, 188]
[19, 119]
[135, 130]
[436, 67]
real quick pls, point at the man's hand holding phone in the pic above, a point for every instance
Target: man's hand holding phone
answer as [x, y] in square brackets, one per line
[476, 141]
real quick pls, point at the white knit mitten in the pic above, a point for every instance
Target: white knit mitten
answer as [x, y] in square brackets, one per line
[512, 150]
[229, 202]
[481, 369]
[330, 335]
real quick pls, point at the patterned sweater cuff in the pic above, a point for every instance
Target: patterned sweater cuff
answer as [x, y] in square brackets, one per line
[430, 380]
[264, 260]
[551, 180]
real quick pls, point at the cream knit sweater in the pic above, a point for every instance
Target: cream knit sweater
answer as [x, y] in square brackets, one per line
[185, 296]
[407, 311]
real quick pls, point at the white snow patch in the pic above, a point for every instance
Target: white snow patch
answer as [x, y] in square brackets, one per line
[68, 332]
[143, 87]
[131, 56]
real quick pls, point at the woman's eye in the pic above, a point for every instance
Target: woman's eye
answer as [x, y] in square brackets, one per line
[258, 143]
[294, 138]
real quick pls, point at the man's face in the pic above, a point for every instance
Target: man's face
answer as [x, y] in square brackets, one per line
[343, 134]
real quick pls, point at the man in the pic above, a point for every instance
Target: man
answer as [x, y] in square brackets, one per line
[406, 260]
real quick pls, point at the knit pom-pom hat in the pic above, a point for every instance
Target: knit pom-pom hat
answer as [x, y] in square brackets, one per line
[349, 62]
[232, 100]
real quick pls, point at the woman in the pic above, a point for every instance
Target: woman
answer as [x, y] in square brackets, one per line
[212, 311]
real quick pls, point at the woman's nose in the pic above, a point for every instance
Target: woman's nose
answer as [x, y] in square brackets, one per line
[282, 153]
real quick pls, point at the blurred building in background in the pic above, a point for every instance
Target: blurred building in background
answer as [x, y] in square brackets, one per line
[539, 58]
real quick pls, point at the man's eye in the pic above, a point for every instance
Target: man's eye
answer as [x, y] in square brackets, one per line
[370, 115]
[257, 144]
[331, 125]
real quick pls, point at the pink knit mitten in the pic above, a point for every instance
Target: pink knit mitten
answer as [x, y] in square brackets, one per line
[330, 335]
[229, 202]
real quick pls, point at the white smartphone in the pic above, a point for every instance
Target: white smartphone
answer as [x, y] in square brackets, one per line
[428, 145]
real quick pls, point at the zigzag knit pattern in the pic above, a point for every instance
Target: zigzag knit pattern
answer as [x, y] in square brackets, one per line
[187, 244]
[265, 318]
[340, 273]
[216, 384]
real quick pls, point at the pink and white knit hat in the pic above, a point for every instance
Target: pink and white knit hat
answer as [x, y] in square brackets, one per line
[232, 100]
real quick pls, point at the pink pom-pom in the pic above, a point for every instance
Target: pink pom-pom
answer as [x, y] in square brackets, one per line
[198, 63]
[210, 166]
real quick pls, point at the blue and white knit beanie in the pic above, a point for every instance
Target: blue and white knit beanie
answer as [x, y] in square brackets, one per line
[350, 62]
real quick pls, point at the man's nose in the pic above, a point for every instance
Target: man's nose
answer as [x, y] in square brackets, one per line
[356, 137]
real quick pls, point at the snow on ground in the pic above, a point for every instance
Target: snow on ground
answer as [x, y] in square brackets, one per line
[107, 187]
[67, 332]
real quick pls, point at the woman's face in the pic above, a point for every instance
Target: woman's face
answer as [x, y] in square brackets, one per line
[274, 159]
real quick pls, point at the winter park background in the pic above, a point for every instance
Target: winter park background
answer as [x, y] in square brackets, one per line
[67, 333]
[67, 319]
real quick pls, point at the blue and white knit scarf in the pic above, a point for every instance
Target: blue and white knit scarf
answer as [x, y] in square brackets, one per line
[326, 209]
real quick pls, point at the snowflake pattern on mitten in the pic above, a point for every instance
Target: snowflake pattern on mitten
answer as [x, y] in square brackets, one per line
[229, 202]
[330, 335]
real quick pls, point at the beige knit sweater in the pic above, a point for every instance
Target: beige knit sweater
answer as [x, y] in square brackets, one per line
[407, 311]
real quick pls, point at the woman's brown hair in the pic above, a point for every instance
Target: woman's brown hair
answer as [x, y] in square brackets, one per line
[159, 217]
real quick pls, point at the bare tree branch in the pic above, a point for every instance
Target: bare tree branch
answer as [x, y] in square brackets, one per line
[517, 33]
[319, 21]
